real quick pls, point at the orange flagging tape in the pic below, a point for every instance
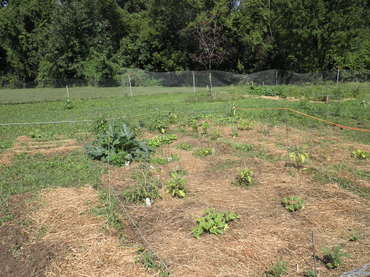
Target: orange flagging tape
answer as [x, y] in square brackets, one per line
[309, 116]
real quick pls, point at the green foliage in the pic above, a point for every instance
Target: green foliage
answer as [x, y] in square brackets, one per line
[244, 178]
[333, 257]
[279, 269]
[118, 145]
[355, 236]
[176, 185]
[203, 152]
[292, 203]
[159, 125]
[265, 91]
[37, 134]
[161, 140]
[297, 157]
[244, 147]
[310, 273]
[100, 126]
[245, 124]
[184, 146]
[205, 126]
[151, 262]
[139, 192]
[360, 154]
[164, 160]
[68, 104]
[213, 222]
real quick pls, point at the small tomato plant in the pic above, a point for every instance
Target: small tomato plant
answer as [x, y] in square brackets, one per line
[298, 157]
[244, 178]
[360, 154]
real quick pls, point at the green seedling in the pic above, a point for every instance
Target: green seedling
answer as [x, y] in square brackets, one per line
[293, 203]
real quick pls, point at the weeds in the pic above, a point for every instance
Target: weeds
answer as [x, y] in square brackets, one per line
[333, 257]
[292, 203]
[184, 146]
[147, 187]
[355, 236]
[277, 270]
[213, 222]
[161, 140]
[151, 262]
[164, 160]
[203, 152]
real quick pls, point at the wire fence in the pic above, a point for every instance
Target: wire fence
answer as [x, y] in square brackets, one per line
[135, 82]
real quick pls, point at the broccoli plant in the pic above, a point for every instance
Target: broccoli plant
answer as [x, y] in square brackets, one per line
[118, 145]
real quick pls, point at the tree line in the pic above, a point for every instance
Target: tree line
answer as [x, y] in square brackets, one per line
[93, 40]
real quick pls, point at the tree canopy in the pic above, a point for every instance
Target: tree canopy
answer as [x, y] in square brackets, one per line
[48, 41]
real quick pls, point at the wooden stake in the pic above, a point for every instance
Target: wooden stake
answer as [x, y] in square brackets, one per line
[313, 253]
[129, 82]
[210, 83]
[67, 92]
[194, 82]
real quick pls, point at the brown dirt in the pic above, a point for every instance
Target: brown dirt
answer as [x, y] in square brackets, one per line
[266, 232]
[24, 144]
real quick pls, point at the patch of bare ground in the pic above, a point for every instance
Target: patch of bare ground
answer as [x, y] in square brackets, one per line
[89, 251]
[266, 232]
[24, 144]
[63, 238]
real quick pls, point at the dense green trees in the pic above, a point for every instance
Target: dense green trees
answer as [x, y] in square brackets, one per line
[47, 42]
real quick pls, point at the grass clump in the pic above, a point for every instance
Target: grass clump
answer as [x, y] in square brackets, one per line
[360, 154]
[244, 178]
[277, 270]
[164, 160]
[176, 185]
[161, 140]
[333, 257]
[184, 146]
[151, 262]
[213, 222]
[203, 152]
[310, 273]
[292, 203]
[117, 146]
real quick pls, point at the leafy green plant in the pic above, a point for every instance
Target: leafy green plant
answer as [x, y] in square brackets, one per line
[292, 203]
[333, 257]
[203, 152]
[244, 147]
[184, 146]
[100, 126]
[159, 125]
[245, 124]
[161, 140]
[297, 157]
[151, 262]
[213, 222]
[176, 186]
[360, 154]
[205, 126]
[277, 270]
[172, 117]
[244, 178]
[118, 145]
[68, 104]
